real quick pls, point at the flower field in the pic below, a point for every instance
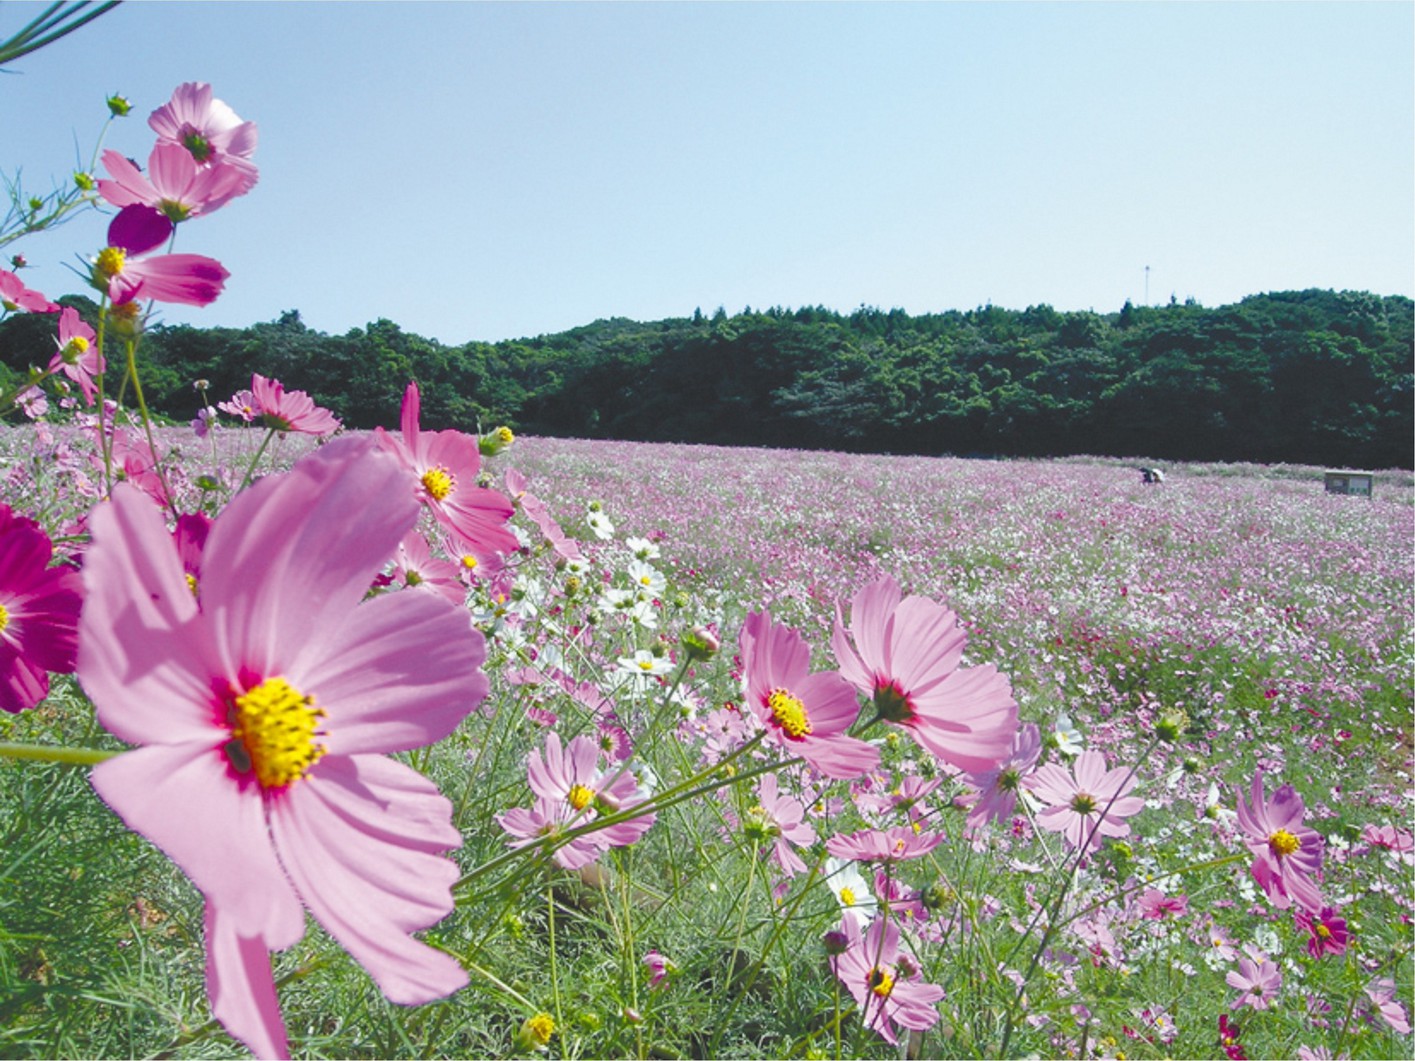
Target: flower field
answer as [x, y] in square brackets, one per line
[1209, 663]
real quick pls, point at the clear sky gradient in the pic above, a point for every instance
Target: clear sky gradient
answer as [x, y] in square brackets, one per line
[488, 171]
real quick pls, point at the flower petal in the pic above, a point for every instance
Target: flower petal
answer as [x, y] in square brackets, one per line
[241, 988]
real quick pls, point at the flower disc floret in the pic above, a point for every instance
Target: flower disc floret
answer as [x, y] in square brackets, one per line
[438, 483]
[273, 730]
[790, 714]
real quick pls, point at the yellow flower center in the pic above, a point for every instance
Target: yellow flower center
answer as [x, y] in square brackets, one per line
[505, 435]
[882, 980]
[645, 664]
[540, 1028]
[273, 731]
[74, 349]
[438, 483]
[192, 583]
[111, 261]
[789, 712]
[1283, 843]
[579, 797]
[1322, 931]
[4, 617]
[469, 562]
[847, 896]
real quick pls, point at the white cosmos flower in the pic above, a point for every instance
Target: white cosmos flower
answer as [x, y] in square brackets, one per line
[642, 548]
[851, 891]
[600, 526]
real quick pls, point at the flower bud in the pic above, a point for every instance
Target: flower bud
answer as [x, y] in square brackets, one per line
[118, 106]
[84, 182]
[836, 942]
[700, 644]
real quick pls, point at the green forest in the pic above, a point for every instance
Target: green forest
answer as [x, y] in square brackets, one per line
[1311, 377]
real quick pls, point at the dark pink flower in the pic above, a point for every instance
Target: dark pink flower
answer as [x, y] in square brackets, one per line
[1327, 933]
[884, 980]
[1228, 1040]
[211, 132]
[264, 711]
[1287, 854]
[906, 657]
[175, 183]
[15, 296]
[1155, 905]
[1091, 805]
[443, 466]
[805, 713]
[296, 411]
[123, 273]
[39, 613]
[78, 356]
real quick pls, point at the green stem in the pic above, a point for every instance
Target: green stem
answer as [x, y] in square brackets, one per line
[46, 754]
[246, 479]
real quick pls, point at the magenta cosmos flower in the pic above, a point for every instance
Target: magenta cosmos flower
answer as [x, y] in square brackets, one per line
[1286, 854]
[296, 411]
[1089, 805]
[39, 613]
[123, 274]
[77, 356]
[1327, 933]
[444, 467]
[905, 657]
[884, 981]
[264, 705]
[175, 183]
[210, 131]
[805, 713]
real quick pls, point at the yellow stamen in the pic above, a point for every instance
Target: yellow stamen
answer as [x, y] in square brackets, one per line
[192, 583]
[469, 562]
[111, 261]
[1284, 843]
[789, 712]
[1322, 931]
[438, 483]
[540, 1028]
[4, 617]
[273, 730]
[882, 980]
[579, 797]
[74, 349]
[847, 896]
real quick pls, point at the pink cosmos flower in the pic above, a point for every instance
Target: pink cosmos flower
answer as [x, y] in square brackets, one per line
[548, 819]
[1259, 983]
[39, 613]
[263, 710]
[33, 402]
[175, 183]
[905, 657]
[77, 356]
[1389, 837]
[290, 410]
[1327, 932]
[779, 819]
[1155, 905]
[414, 565]
[1228, 1039]
[211, 132]
[883, 845]
[444, 467]
[572, 775]
[242, 404]
[190, 536]
[15, 296]
[997, 787]
[885, 982]
[1091, 805]
[1382, 994]
[658, 968]
[805, 713]
[123, 274]
[1287, 854]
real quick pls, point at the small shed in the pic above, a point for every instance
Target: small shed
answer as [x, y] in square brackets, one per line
[1349, 482]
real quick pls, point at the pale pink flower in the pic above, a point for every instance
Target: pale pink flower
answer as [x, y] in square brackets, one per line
[33, 402]
[906, 657]
[1287, 854]
[415, 566]
[550, 820]
[897, 844]
[997, 787]
[779, 819]
[242, 404]
[14, 295]
[1089, 805]
[296, 411]
[1382, 994]
[175, 183]
[78, 356]
[39, 612]
[443, 466]
[264, 710]
[211, 132]
[885, 981]
[123, 273]
[805, 713]
[1259, 983]
[1155, 905]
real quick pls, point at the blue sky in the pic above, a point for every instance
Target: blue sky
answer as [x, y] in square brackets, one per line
[487, 171]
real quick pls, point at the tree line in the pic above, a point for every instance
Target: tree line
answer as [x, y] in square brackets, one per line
[1312, 377]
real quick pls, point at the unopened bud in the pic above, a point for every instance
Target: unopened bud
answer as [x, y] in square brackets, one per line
[836, 942]
[118, 106]
[700, 643]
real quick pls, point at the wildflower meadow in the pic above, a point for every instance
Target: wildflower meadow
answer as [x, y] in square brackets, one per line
[448, 743]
